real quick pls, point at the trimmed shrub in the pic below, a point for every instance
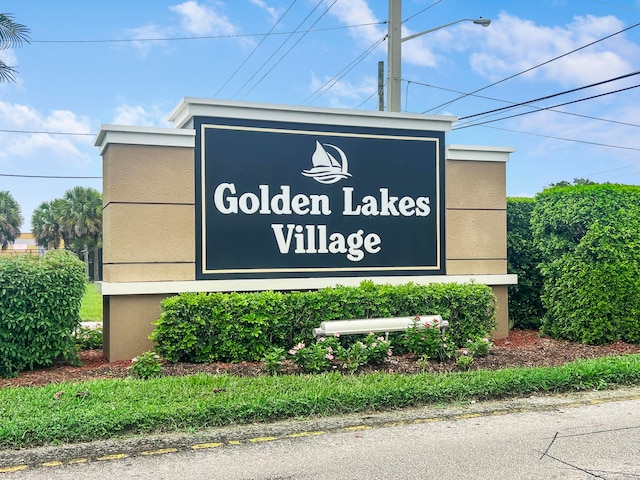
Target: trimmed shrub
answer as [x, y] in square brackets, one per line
[596, 298]
[236, 327]
[588, 238]
[525, 302]
[40, 299]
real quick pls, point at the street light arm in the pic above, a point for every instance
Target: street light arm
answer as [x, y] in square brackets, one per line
[394, 50]
[479, 21]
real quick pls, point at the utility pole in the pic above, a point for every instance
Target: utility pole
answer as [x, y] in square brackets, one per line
[394, 54]
[394, 50]
[381, 86]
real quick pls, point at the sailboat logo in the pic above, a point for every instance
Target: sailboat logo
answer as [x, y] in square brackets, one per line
[326, 169]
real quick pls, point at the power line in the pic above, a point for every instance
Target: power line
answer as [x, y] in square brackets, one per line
[366, 100]
[531, 68]
[512, 104]
[616, 5]
[205, 37]
[546, 108]
[540, 135]
[291, 48]
[255, 49]
[608, 171]
[456, 128]
[42, 176]
[337, 77]
[563, 138]
[589, 117]
[421, 11]
[297, 30]
[47, 133]
[361, 57]
[552, 96]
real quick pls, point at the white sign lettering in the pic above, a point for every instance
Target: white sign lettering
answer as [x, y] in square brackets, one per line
[227, 202]
[315, 239]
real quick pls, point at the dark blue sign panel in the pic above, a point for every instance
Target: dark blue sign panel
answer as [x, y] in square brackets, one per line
[278, 200]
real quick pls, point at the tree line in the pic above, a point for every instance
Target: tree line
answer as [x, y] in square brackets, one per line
[75, 221]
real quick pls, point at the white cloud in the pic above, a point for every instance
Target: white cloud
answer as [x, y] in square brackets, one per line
[195, 20]
[357, 12]
[139, 115]
[513, 45]
[344, 94]
[147, 32]
[51, 149]
[273, 12]
[203, 20]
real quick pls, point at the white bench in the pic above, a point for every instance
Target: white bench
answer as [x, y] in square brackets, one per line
[386, 325]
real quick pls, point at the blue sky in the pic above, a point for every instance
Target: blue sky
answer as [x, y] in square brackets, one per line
[131, 62]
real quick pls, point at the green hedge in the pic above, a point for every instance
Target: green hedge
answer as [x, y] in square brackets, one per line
[241, 326]
[590, 260]
[525, 303]
[40, 299]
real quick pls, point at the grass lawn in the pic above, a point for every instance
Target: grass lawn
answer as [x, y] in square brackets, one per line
[91, 309]
[112, 408]
[101, 409]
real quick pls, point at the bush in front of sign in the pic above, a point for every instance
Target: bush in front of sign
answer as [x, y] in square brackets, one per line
[229, 327]
[243, 326]
[246, 339]
[469, 308]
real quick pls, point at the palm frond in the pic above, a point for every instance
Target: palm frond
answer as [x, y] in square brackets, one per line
[7, 73]
[12, 34]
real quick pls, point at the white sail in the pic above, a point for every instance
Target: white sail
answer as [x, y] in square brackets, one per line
[326, 169]
[322, 158]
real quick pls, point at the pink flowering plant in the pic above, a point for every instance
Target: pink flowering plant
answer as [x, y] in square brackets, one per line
[317, 357]
[428, 341]
[327, 353]
[378, 348]
[146, 365]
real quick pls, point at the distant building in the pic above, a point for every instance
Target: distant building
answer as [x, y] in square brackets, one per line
[24, 244]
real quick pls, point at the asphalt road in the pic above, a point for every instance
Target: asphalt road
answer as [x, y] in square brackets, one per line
[585, 436]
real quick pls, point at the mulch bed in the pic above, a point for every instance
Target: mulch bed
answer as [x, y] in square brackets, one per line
[523, 348]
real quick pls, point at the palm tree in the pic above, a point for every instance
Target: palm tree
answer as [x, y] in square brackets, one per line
[10, 219]
[12, 35]
[45, 226]
[79, 214]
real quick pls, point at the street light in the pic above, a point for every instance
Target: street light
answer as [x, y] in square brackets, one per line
[394, 49]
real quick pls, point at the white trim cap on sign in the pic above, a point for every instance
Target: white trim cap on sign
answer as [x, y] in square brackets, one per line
[477, 153]
[156, 136]
[182, 115]
[147, 288]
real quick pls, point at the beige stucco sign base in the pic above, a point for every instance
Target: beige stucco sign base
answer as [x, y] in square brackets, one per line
[149, 216]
